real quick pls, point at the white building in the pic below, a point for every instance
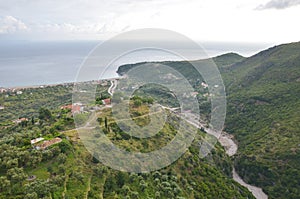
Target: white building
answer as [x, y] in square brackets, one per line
[36, 140]
[204, 85]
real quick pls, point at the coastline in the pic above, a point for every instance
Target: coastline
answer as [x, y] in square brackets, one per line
[55, 84]
[37, 86]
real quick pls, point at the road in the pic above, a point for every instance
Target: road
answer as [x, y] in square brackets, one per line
[112, 87]
[256, 191]
[225, 139]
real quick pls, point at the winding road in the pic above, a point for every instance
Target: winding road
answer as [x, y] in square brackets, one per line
[225, 139]
[113, 85]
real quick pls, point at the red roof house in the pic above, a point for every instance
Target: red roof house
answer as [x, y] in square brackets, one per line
[106, 101]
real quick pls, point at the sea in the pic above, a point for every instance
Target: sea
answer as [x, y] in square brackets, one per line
[32, 63]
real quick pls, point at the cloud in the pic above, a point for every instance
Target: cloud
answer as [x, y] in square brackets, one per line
[9, 24]
[278, 4]
[87, 28]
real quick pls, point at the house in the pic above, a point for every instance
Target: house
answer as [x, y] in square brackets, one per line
[48, 143]
[106, 101]
[36, 140]
[66, 107]
[204, 85]
[194, 94]
[3, 90]
[75, 108]
[19, 92]
[23, 119]
[104, 83]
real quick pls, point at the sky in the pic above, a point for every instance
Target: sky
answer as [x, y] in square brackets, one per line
[253, 21]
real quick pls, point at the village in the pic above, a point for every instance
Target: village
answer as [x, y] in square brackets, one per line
[40, 143]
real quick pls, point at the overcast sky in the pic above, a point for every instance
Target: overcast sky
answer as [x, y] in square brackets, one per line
[269, 21]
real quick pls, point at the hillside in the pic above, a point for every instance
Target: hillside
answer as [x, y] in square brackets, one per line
[186, 69]
[263, 106]
[67, 170]
[263, 114]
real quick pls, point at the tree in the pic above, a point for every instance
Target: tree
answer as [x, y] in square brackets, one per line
[31, 196]
[95, 158]
[41, 187]
[11, 163]
[50, 169]
[65, 146]
[121, 178]
[99, 119]
[4, 183]
[62, 158]
[134, 195]
[110, 185]
[137, 102]
[45, 114]
[125, 189]
[24, 123]
[32, 120]
[105, 123]
[61, 169]
[143, 185]
[16, 175]
[157, 194]
[35, 158]
[79, 176]
[47, 154]
[99, 101]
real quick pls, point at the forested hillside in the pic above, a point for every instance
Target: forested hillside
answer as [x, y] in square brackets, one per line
[264, 115]
[263, 106]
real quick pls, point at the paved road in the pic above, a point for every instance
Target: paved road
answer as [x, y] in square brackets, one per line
[225, 139]
[112, 87]
[231, 148]
[256, 191]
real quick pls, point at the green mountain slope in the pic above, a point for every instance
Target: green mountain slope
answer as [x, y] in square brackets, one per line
[263, 112]
[264, 115]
